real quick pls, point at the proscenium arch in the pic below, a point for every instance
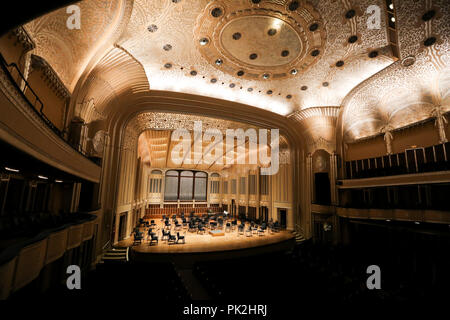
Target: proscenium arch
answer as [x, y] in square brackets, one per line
[175, 102]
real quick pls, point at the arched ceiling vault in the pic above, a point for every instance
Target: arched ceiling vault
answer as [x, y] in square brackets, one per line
[201, 57]
[410, 89]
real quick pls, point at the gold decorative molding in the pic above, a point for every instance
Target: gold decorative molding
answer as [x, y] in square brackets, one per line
[50, 76]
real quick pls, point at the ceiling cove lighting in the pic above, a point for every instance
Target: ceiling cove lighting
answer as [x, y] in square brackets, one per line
[58, 181]
[11, 169]
[43, 177]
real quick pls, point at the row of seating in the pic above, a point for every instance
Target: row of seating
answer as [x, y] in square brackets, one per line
[29, 224]
[314, 272]
[433, 158]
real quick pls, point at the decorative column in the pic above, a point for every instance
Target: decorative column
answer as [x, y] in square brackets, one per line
[308, 198]
[440, 123]
[387, 138]
[333, 177]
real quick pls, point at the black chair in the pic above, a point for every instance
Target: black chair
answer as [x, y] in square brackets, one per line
[178, 226]
[180, 238]
[165, 235]
[241, 229]
[228, 227]
[153, 237]
[172, 238]
[152, 224]
[200, 229]
[167, 224]
[138, 238]
[192, 227]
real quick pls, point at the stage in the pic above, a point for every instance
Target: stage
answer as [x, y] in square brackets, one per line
[207, 243]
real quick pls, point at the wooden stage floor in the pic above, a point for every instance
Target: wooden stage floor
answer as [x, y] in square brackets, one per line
[199, 243]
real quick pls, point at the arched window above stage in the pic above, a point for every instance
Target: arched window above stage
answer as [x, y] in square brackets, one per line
[185, 185]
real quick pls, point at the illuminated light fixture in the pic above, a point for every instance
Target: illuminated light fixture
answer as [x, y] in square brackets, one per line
[204, 41]
[11, 169]
[414, 146]
[58, 181]
[393, 19]
[416, 222]
[388, 220]
[43, 177]
[391, 6]
[219, 62]
[294, 72]
[266, 76]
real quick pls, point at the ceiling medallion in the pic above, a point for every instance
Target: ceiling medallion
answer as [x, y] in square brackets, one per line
[408, 61]
[232, 31]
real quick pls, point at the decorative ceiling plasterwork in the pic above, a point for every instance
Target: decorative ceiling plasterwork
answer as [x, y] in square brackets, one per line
[269, 40]
[68, 51]
[151, 132]
[158, 23]
[118, 74]
[400, 94]
[319, 127]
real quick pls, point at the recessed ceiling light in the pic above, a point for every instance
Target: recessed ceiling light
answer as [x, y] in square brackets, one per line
[272, 32]
[429, 41]
[213, 80]
[315, 53]
[58, 181]
[168, 65]
[237, 35]
[294, 72]
[284, 53]
[373, 54]
[350, 14]
[266, 76]
[416, 222]
[152, 28]
[391, 6]
[216, 12]
[204, 41]
[240, 73]
[253, 56]
[11, 169]
[43, 177]
[340, 63]
[313, 27]
[232, 85]
[167, 47]
[250, 89]
[428, 15]
[393, 19]
[219, 62]
[325, 84]
[353, 39]
[294, 5]
[289, 96]
[304, 88]
[193, 73]
[269, 91]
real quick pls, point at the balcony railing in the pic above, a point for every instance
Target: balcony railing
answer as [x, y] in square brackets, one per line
[16, 77]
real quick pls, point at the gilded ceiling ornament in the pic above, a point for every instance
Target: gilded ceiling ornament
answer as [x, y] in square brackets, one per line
[255, 41]
[388, 137]
[440, 122]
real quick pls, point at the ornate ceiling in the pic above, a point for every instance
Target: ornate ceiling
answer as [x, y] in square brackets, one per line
[153, 131]
[167, 38]
[402, 93]
[279, 55]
